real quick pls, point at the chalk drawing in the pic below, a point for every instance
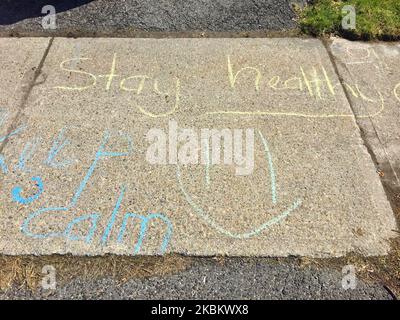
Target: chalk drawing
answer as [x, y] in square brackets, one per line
[271, 167]
[76, 88]
[3, 118]
[3, 165]
[111, 221]
[356, 54]
[143, 229]
[112, 73]
[17, 191]
[370, 57]
[356, 92]
[307, 82]
[13, 133]
[140, 87]
[208, 162]
[26, 154]
[396, 91]
[94, 217]
[256, 231]
[312, 85]
[100, 155]
[168, 113]
[59, 143]
[232, 77]
[275, 80]
[143, 226]
[295, 114]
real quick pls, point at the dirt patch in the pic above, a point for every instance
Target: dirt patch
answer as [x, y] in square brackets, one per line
[26, 271]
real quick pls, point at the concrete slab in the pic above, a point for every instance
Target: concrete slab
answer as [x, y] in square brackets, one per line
[82, 180]
[20, 58]
[373, 68]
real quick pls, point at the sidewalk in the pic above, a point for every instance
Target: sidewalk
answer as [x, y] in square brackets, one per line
[76, 118]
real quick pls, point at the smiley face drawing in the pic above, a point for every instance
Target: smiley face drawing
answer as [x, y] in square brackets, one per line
[215, 216]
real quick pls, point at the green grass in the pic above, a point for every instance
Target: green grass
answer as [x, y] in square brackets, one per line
[375, 19]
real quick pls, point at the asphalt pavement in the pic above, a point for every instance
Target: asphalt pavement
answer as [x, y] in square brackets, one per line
[237, 278]
[129, 17]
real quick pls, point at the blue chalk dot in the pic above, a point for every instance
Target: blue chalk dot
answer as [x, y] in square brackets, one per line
[17, 191]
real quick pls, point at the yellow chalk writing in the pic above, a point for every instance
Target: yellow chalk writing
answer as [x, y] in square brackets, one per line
[233, 77]
[78, 72]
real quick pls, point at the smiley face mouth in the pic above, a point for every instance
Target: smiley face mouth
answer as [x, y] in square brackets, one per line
[205, 216]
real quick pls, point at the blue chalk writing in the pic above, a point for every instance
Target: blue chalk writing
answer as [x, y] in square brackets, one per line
[271, 167]
[59, 143]
[13, 133]
[26, 154]
[26, 224]
[3, 165]
[100, 154]
[89, 237]
[68, 233]
[114, 214]
[16, 192]
[3, 116]
[143, 226]
[143, 229]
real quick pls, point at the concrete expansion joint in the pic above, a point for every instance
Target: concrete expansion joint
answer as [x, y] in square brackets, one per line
[366, 144]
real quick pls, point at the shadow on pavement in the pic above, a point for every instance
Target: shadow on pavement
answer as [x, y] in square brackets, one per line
[12, 11]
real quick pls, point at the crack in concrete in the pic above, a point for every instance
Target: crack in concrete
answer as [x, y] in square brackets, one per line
[28, 86]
